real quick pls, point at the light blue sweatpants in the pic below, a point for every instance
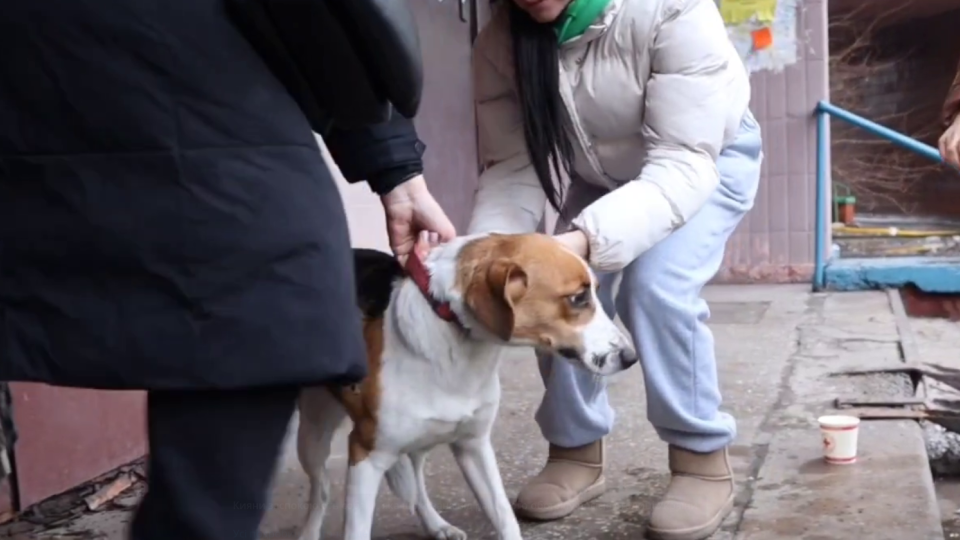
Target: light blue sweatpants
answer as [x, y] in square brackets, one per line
[659, 302]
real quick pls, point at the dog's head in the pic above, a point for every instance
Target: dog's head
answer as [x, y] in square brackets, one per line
[530, 290]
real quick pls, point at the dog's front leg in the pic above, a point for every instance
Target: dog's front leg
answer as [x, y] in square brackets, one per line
[478, 462]
[363, 483]
[430, 519]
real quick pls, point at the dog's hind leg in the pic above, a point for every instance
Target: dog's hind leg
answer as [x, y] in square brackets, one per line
[431, 520]
[320, 416]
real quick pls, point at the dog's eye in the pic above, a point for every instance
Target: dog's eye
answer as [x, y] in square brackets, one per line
[579, 300]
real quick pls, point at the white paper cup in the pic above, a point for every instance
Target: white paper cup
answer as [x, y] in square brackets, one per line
[839, 433]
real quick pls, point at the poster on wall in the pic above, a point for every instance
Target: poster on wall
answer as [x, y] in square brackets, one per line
[763, 31]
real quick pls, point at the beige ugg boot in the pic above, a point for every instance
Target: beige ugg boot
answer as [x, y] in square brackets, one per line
[572, 477]
[698, 499]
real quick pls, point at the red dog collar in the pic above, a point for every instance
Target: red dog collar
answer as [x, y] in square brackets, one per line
[419, 274]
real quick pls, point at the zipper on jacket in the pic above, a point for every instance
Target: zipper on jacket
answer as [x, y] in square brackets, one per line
[566, 94]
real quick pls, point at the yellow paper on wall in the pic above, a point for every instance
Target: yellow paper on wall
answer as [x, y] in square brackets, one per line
[741, 11]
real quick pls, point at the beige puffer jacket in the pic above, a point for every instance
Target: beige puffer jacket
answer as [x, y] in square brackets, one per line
[655, 90]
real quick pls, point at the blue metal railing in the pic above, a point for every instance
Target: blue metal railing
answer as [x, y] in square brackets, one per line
[824, 111]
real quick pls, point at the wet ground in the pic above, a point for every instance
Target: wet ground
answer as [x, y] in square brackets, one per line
[777, 347]
[948, 496]
[937, 340]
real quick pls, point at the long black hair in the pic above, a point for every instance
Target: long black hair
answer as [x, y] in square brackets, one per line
[546, 124]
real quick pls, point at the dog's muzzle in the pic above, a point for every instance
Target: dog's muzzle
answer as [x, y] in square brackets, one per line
[628, 357]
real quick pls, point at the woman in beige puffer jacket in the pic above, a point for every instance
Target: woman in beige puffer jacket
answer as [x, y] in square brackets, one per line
[643, 105]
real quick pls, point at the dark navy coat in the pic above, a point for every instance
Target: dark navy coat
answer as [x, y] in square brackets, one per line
[166, 218]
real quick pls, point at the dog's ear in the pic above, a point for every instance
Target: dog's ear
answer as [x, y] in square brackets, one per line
[492, 297]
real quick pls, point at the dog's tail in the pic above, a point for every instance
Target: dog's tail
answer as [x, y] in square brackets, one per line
[402, 481]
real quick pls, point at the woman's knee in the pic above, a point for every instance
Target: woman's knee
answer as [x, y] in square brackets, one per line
[657, 294]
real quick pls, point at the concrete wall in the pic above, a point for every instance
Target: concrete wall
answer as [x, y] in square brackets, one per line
[775, 241]
[364, 213]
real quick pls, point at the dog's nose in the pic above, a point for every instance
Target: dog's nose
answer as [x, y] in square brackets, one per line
[628, 357]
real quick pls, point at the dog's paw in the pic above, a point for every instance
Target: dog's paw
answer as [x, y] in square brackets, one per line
[449, 532]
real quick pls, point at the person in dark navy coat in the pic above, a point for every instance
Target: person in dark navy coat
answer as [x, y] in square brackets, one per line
[167, 223]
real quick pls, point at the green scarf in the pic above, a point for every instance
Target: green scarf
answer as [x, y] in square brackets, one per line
[578, 16]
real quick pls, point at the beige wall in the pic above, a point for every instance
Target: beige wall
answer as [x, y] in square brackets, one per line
[364, 212]
[774, 243]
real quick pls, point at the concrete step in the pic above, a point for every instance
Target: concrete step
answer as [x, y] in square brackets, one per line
[929, 274]
[889, 493]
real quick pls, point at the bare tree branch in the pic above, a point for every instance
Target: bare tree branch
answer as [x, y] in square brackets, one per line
[872, 168]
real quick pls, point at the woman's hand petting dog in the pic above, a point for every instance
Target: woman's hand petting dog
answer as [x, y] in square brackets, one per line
[576, 242]
[410, 210]
[425, 242]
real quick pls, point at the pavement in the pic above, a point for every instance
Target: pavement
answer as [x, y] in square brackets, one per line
[777, 346]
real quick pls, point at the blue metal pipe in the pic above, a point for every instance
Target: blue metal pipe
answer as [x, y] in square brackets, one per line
[895, 137]
[824, 111]
[820, 229]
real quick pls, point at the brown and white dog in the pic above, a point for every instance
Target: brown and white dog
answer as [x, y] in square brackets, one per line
[433, 348]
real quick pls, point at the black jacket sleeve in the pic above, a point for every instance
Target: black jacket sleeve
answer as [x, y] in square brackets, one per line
[385, 155]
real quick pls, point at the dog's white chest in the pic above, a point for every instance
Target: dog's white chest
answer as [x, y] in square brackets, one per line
[416, 417]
